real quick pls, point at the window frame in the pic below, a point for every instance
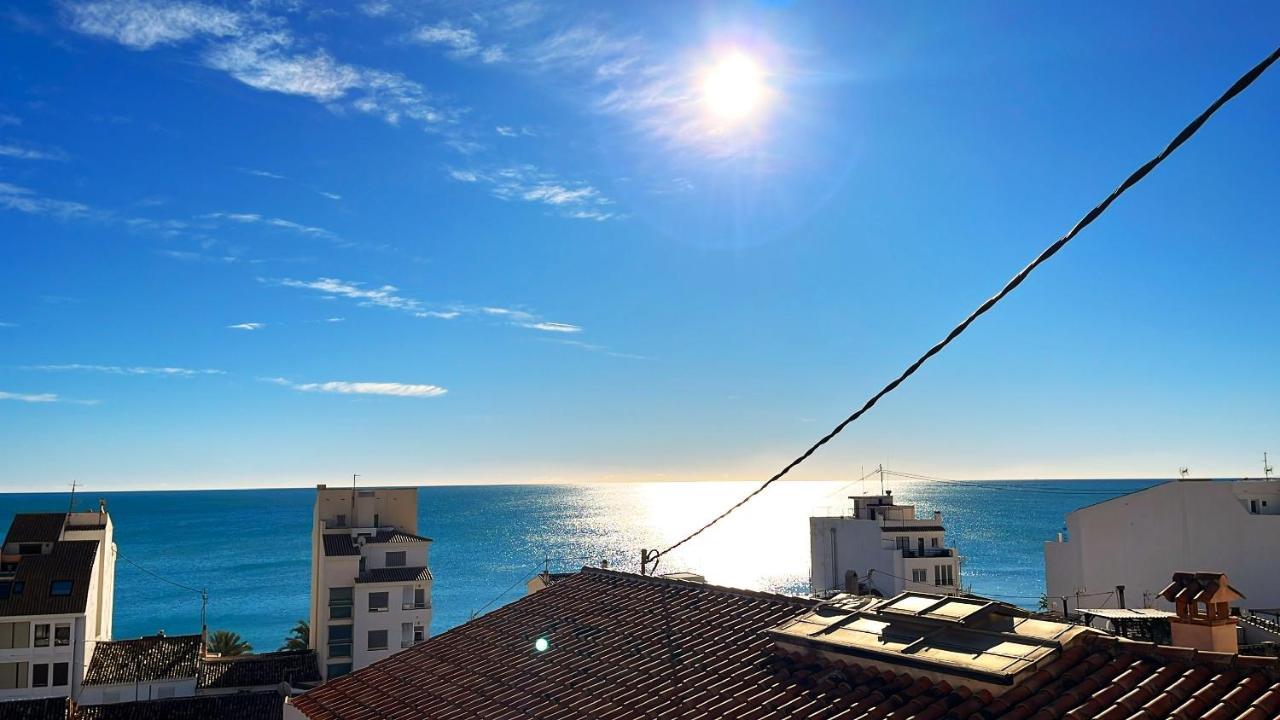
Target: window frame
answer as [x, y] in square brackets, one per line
[63, 668]
[386, 602]
[36, 670]
[402, 558]
[48, 635]
[369, 640]
[57, 630]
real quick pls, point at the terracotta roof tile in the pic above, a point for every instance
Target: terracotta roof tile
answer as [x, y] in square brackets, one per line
[157, 657]
[234, 706]
[35, 527]
[68, 560]
[243, 671]
[626, 647]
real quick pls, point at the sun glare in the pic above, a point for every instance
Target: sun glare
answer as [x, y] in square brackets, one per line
[733, 88]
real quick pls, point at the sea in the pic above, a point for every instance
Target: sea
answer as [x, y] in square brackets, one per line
[250, 549]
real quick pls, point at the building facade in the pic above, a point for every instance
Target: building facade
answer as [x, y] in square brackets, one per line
[370, 576]
[1139, 540]
[57, 585]
[882, 547]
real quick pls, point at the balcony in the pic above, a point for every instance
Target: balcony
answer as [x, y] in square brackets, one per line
[416, 606]
[928, 553]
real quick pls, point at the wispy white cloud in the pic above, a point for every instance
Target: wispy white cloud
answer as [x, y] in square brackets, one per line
[263, 173]
[376, 8]
[553, 327]
[297, 227]
[570, 198]
[247, 326]
[330, 195]
[199, 257]
[42, 398]
[126, 370]
[340, 387]
[7, 119]
[14, 197]
[387, 296]
[142, 25]
[334, 319]
[276, 176]
[459, 42]
[21, 152]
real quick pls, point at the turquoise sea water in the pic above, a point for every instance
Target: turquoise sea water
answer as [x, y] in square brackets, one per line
[251, 548]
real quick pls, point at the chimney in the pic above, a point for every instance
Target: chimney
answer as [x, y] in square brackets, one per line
[1202, 601]
[1120, 596]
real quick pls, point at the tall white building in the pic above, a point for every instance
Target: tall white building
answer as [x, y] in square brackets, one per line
[370, 580]
[1141, 539]
[883, 547]
[57, 585]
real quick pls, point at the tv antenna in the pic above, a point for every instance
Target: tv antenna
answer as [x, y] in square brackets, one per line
[1183, 472]
[1266, 467]
[72, 507]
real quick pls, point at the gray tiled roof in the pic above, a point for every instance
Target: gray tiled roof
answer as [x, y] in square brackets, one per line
[143, 660]
[69, 560]
[397, 574]
[235, 706]
[263, 669]
[397, 536]
[336, 545]
[35, 527]
[54, 708]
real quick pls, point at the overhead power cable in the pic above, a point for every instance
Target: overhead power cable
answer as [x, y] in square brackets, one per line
[1236, 88]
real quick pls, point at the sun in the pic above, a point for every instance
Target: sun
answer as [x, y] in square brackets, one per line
[733, 88]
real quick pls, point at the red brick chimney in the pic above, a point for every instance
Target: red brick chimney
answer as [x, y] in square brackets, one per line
[1202, 601]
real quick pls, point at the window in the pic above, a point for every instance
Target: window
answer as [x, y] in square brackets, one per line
[340, 521]
[5, 588]
[378, 602]
[340, 603]
[419, 598]
[375, 520]
[406, 634]
[395, 559]
[338, 670]
[920, 575]
[60, 588]
[29, 548]
[340, 641]
[904, 543]
[944, 575]
[419, 633]
[40, 675]
[60, 672]
[42, 636]
[13, 675]
[61, 635]
[933, 542]
[377, 639]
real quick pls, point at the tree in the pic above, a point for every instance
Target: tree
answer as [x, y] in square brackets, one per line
[299, 637]
[225, 642]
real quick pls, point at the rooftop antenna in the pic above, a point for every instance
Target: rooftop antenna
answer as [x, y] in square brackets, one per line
[72, 507]
[882, 478]
[1183, 472]
[353, 500]
[1266, 467]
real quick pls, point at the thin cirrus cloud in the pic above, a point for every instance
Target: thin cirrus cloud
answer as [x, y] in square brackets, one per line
[21, 152]
[42, 398]
[528, 183]
[249, 326]
[390, 297]
[127, 370]
[25, 200]
[258, 50]
[340, 387]
[276, 176]
[459, 42]
[275, 222]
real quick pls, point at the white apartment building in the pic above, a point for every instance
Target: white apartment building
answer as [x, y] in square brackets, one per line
[881, 547]
[57, 585]
[370, 580]
[1141, 539]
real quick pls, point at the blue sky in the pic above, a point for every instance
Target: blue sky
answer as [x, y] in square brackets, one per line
[277, 243]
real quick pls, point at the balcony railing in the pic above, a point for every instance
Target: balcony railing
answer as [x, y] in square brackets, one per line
[416, 606]
[928, 552]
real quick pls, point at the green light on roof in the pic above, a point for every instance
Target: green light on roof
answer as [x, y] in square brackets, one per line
[541, 644]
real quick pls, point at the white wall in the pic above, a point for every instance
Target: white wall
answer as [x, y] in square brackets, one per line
[1140, 540]
[128, 692]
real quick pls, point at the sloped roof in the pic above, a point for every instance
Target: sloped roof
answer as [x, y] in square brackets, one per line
[53, 708]
[265, 705]
[145, 659]
[339, 544]
[68, 560]
[626, 647]
[35, 527]
[395, 574]
[397, 536]
[261, 669]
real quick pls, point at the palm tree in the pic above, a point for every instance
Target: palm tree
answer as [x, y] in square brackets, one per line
[299, 637]
[225, 642]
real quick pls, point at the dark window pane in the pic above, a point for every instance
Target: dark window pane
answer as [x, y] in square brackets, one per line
[60, 588]
[60, 674]
[39, 676]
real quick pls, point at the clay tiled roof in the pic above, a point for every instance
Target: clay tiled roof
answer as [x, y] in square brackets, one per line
[157, 657]
[68, 560]
[255, 670]
[35, 527]
[395, 574]
[625, 647]
[1200, 587]
[54, 708]
[234, 706]
[397, 536]
[338, 545]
